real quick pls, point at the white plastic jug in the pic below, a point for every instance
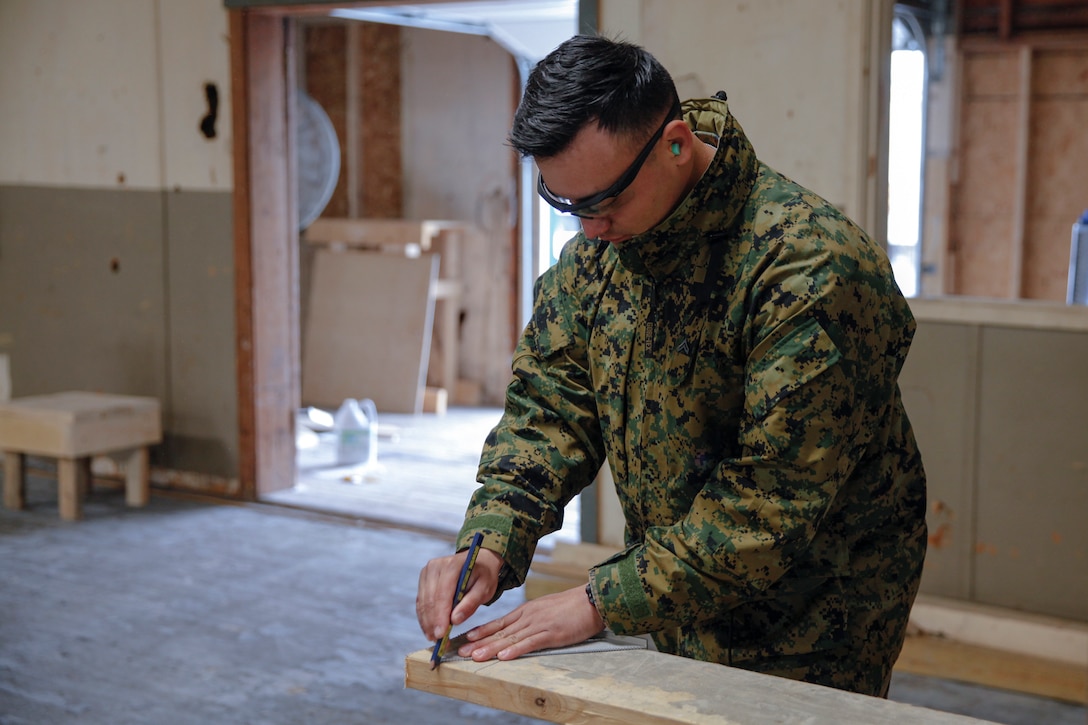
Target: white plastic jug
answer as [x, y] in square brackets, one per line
[356, 428]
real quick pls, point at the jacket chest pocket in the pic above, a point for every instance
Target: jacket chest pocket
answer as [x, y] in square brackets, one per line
[681, 343]
[679, 361]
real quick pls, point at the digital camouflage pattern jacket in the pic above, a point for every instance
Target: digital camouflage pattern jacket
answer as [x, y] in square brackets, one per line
[737, 366]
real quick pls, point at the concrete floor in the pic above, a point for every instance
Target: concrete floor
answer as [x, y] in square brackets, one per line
[197, 612]
[188, 612]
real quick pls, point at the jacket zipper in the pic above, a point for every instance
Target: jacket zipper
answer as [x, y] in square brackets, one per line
[649, 366]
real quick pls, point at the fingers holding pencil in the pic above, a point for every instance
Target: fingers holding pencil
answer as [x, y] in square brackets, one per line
[436, 609]
[459, 591]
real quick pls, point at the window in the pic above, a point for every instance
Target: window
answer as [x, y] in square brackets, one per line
[906, 150]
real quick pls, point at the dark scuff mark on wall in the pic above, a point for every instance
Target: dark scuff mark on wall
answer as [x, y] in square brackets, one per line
[207, 124]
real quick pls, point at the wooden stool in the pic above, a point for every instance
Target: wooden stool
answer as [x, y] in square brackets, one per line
[72, 427]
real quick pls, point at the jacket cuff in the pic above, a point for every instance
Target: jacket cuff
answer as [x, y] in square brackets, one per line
[497, 538]
[618, 593]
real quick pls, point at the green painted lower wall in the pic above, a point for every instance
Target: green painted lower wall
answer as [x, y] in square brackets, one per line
[127, 292]
[999, 412]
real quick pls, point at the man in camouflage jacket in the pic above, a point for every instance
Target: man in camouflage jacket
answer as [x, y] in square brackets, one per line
[735, 364]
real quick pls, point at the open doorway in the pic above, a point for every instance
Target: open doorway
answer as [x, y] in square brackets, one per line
[426, 467]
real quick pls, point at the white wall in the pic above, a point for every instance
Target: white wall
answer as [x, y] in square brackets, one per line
[458, 102]
[110, 93]
[797, 73]
[195, 45]
[101, 262]
[459, 93]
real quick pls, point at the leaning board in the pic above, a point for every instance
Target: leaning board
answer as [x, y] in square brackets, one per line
[368, 332]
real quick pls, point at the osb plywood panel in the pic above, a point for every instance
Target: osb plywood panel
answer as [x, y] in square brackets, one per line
[991, 73]
[1061, 72]
[982, 224]
[1057, 192]
[1058, 169]
[380, 167]
[984, 238]
[369, 330]
[325, 72]
[363, 103]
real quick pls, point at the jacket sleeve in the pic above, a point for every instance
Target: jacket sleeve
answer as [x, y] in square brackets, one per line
[817, 368]
[547, 446]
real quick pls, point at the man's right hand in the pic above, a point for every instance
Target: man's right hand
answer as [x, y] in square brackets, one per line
[437, 582]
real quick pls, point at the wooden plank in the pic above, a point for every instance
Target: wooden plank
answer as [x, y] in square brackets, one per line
[369, 328]
[541, 585]
[265, 249]
[1050, 638]
[1005, 19]
[137, 477]
[444, 369]
[1025, 314]
[445, 343]
[14, 480]
[1016, 672]
[377, 233]
[352, 154]
[997, 647]
[1019, 207]
[435, 400]
[5, 378]
[243, 253]
[650, 687]
[567, 566]
[410, 237]
[68, 489]
[581, 556]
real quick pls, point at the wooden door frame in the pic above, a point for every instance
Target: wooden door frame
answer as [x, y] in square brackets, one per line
[266, 256]
[266, 261]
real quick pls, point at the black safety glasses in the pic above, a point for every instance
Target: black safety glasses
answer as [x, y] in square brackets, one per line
[584, 207]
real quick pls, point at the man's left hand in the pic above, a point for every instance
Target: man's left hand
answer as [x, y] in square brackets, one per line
[555, 620]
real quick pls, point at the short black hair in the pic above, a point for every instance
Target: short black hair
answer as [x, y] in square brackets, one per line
[589, 78]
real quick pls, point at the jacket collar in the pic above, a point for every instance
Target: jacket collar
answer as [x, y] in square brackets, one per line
[713, 205]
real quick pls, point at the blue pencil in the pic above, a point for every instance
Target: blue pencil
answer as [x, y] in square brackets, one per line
[458, 595]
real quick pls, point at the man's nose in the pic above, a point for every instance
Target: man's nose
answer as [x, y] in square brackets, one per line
[595, 227]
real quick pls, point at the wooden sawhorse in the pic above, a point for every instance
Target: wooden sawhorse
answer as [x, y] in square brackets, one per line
[73, 427]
